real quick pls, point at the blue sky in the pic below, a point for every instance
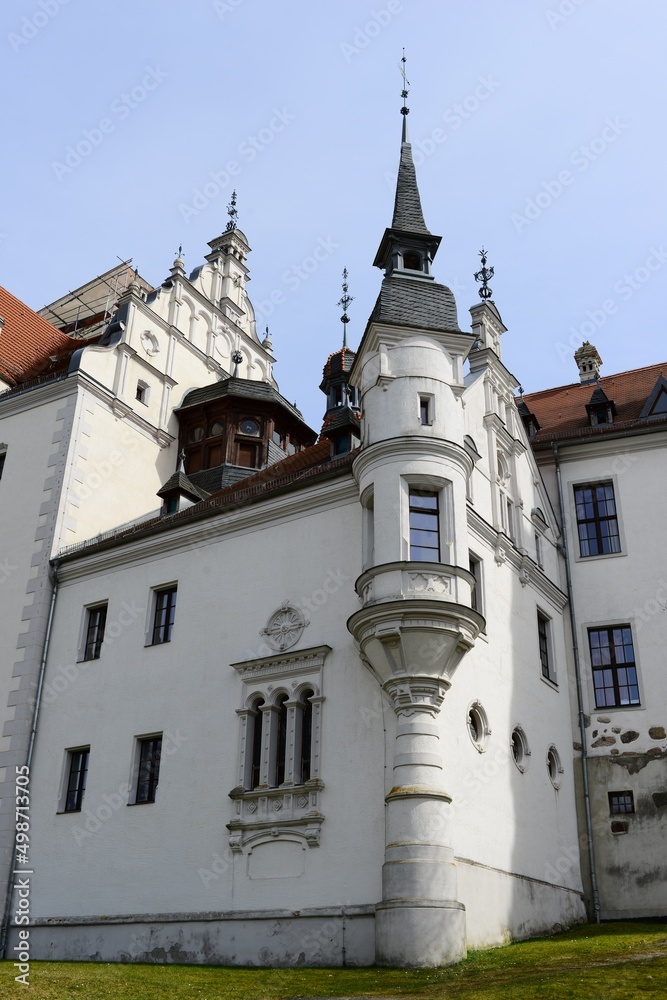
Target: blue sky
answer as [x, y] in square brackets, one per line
[537, 130]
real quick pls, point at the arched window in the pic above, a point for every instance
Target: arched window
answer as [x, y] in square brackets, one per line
[281, 744]
[255, 742]
[306, 741]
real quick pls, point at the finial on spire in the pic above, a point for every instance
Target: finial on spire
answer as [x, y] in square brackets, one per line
[181, 461]
[484, 275]
[344, 302]
[233, 214]
[237, 358]
[405, 110]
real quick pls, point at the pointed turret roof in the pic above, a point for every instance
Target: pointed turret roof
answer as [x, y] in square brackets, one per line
[408, 216]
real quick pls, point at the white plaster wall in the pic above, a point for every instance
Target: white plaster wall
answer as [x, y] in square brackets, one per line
[187, 690]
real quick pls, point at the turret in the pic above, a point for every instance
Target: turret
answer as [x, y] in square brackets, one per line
[417, 621]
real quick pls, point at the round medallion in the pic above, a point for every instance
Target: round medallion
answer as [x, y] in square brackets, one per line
[284, 627]
[149, 343]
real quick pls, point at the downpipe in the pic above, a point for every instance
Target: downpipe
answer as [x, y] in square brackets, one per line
[6, 920]
[580, 696]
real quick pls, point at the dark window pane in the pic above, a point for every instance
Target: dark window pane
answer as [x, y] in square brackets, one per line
[76, 784]
[596, 520]
[614, 671]
[149, 769]
[165, 612]
[95, 632]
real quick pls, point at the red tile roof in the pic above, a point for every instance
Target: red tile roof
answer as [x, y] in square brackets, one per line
[561, 412]
[29, 346]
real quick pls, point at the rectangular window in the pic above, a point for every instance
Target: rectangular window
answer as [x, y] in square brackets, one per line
[3, 456]
[165, 611]
[426, 410]
[97, 618]
[620, 803]
[544, 638]
[597, 521]
[614, 670]
[142, 392]
[149, 769]
[76, 781]
[476, 597]
[424, 526]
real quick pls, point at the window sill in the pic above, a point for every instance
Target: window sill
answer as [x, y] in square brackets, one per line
[150, 802]
[603, 555]
[550, 682]
[149, 645]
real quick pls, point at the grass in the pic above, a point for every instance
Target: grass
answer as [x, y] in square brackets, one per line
[612, 962]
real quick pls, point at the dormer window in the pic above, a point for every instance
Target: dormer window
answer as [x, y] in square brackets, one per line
[600, 409]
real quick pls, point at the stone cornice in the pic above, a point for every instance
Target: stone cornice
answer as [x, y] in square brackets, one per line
[295, 661]
[411, 446]
[20, 401]
[525, 567]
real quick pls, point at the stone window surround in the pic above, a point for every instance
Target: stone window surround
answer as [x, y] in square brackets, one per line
[290, 810]
[444, 489]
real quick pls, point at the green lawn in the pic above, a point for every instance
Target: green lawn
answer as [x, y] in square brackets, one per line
[611, 962]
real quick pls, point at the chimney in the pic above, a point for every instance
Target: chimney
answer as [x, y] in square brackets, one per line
[589, 362]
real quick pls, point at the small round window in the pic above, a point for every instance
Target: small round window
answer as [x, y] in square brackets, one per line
[478, 726]
[196, 434]
[554, 766]
[519, 746]
[216, 428]
[249, 426]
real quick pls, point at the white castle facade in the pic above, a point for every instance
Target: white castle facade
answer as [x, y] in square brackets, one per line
[375, 699]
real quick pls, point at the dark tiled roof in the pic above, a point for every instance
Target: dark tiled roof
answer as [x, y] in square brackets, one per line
[344, 416]
[340, 362]
[408, 215]
[240, 388]
[179, 483]
[29, 346]
[218, 478]
[561, 412]
[415, 302]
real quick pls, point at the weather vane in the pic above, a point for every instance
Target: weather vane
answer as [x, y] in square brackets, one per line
[344, 302]
[484, 275]
[233, 214]
[405, 110]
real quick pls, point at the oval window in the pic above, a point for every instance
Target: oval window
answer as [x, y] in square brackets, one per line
[249, 426]
[196, 434]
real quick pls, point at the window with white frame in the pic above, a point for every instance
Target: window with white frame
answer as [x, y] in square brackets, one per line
[477, 593]
[428, 520]
[507, 514]
[545, 647]
[597, 519]
[96, 617]
[75, 779]
[279, 748]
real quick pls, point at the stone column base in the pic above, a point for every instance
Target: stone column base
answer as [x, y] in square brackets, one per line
[410, 934]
